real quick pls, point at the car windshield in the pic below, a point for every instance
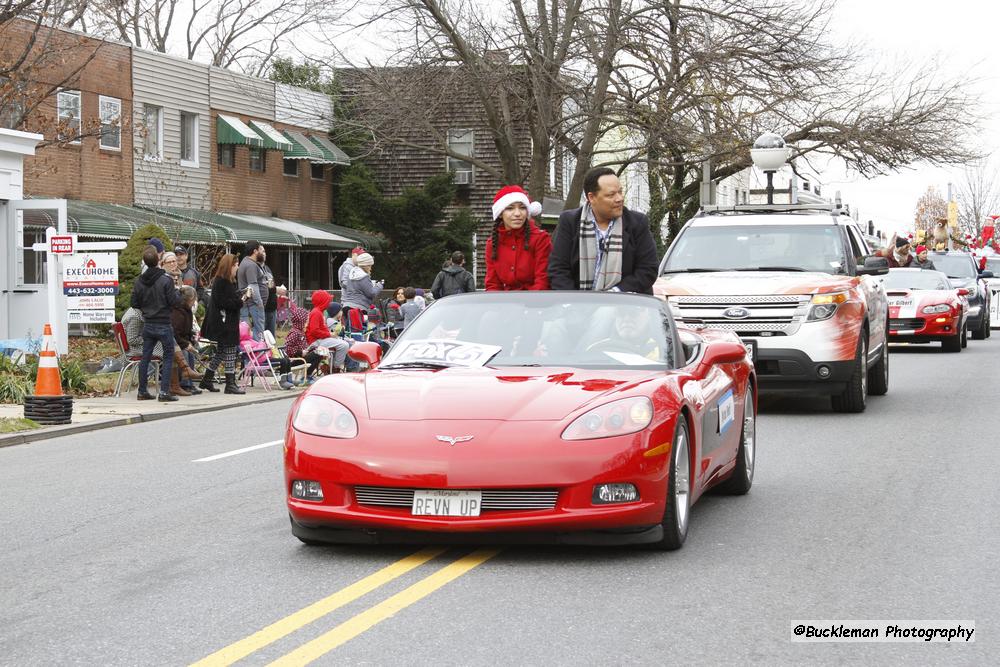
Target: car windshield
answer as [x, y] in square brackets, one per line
[758, 247]
[956, 266]
[993, 264]
[583, 329]
[916, 280]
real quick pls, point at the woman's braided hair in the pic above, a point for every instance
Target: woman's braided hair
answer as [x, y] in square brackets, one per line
[495, 238]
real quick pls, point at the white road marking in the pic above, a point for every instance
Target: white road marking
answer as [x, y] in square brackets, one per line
[238, 451]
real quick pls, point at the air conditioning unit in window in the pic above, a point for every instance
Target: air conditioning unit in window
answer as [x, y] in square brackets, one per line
[463, 177]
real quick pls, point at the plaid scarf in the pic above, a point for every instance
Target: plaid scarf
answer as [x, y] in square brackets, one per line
[600, 266]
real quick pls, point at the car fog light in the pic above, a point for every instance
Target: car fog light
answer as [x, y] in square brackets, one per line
[606, 494]
[305, 489]
[823, 372]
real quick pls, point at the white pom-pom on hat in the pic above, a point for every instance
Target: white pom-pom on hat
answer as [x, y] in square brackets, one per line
[535, 209]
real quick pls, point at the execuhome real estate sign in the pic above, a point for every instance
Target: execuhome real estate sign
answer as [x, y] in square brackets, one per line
[90, 283]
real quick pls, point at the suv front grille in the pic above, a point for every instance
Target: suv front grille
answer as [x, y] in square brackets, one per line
[493, 499]
[770, 313]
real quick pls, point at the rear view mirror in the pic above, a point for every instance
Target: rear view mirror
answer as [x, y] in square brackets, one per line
[369, 353]
[985, 274]
[874, 266]
[962, 291]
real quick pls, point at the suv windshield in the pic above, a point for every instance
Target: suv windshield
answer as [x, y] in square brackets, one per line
[993, 264]
[956, 266]
[758, 247]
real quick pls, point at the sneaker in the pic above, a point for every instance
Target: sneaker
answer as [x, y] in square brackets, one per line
[145, 396]
[311, 381]
[166, 398]
[285, 384]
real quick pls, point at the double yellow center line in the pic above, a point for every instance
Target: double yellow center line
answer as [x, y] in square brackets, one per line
[357, 624]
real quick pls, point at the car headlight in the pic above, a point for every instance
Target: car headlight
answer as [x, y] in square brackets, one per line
[834, 297]
[319, 415]
[934, 310]
[823, 311]
[622, 417]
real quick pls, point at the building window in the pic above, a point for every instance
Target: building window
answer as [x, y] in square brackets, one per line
[68, 110]
[152, 141]
[318, 171]
[258, 159]
[460, 141]
[227, 155]
[290, 167]
[189, 139]
[111, 122]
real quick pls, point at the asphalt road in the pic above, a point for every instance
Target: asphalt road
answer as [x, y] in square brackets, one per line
[120, 548]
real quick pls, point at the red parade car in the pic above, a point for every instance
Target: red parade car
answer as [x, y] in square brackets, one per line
[574, 417]
[924, 307]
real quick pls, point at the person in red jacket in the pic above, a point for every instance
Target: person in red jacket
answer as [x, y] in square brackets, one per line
[318, 333]
[517, 253]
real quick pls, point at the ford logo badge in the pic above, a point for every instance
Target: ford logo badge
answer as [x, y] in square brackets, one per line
[736, 313]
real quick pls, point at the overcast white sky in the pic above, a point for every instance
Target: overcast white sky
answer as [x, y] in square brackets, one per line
[963, 37]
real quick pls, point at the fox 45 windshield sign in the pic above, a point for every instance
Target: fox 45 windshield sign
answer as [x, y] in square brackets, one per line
[94, 274]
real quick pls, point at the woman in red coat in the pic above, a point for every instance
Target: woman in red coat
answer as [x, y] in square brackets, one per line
[517, 253]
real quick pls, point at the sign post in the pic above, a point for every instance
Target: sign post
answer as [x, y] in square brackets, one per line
[58, 246]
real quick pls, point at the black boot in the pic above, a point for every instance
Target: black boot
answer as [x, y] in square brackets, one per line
[208, 382]
[231, 386]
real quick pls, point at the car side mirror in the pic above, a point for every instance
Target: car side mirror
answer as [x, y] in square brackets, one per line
[962, 291]
[723, 352]
[874, 266]
[985, 274]
[369, 353]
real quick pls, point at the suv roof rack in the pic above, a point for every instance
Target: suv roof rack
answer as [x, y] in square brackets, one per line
[835, 206]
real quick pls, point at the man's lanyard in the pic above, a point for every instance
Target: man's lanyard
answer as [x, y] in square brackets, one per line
[603, 239]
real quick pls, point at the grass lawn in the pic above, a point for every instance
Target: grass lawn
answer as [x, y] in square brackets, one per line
[16, 424]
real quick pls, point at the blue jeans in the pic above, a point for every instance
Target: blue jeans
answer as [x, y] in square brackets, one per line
[271, 321]
[151, 333]
[253, 315]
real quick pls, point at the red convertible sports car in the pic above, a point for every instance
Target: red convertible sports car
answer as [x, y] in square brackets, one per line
[573, 417]
[924, 307]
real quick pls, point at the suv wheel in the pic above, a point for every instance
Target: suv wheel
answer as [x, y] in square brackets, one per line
[853, 398]
[878, 381]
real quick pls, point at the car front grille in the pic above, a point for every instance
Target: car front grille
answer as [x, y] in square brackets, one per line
[769, 313]
[906, 324]
[493, 499]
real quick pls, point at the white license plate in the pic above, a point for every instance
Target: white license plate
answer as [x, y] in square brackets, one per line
[447, 502]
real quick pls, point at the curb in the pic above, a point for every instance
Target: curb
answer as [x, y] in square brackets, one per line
[73, 429]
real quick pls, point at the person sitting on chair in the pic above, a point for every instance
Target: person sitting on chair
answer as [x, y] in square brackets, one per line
[318, 334]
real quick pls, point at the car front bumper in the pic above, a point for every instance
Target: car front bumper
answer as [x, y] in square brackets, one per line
[926, 328]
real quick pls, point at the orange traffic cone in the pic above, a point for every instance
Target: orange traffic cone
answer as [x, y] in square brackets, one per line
[48, 382]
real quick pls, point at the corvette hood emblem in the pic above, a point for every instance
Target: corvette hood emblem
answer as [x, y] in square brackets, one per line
[451, 440]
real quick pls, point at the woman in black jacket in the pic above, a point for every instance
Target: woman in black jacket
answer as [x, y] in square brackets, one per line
[222, 324]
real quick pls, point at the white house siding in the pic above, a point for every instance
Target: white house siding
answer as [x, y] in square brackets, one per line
[303, 108]
[176, 85]
[241, 94]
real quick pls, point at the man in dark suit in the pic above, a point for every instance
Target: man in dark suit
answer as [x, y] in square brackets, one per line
[602, 245]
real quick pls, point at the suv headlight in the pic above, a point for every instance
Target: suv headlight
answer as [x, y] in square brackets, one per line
[318, 415]
[934, 310]
[616, 418]
[825, 305]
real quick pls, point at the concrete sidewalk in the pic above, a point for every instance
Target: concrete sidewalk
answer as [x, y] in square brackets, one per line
[91, 414]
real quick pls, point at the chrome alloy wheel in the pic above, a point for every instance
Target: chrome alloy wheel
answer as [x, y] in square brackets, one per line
[682, 482]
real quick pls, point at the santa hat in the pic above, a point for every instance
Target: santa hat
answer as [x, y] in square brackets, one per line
[510, 194]
[921, 248]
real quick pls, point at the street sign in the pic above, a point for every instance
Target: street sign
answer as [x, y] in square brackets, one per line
[64, 244]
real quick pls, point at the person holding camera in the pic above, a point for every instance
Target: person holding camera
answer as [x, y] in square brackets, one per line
[222, 324]
[360, 292]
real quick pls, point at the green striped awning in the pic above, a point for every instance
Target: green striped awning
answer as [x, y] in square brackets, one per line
[273, 140]
[302, 148]
[112, 221]
[235, 229]
[332, 154]
[232, 130]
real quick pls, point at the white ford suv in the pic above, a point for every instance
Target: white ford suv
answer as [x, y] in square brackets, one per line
[798, 284]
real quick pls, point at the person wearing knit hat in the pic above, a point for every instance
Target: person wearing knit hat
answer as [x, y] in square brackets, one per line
[517, 252]
[921, 260]
[343, 273]
[360, 291]
[602, 245]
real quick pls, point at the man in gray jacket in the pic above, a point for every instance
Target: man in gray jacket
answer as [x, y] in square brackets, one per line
[250, 277]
